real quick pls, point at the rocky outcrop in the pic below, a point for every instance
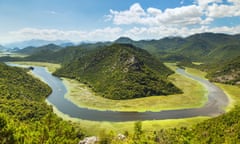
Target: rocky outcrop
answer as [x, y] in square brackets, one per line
[89, 140]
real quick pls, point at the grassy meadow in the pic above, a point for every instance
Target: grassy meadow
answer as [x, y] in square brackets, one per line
[83, 96]
[193, 96]
[50, 66]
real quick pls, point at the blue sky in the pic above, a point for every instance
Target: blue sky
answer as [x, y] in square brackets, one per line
[92, 20]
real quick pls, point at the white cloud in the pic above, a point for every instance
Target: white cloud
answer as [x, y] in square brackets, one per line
[185, 15]
[112, 33]
[163, 31]
[133, 15]
[205, 3]
[234, 1]
[223, 10]
[109, 33]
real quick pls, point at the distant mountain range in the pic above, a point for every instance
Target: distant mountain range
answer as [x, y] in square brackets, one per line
[199, 47]
[2, 48]
[46, 48]
[219, 52]
[37, 43]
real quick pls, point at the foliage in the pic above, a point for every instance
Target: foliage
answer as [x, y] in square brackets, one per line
[26, 118]
[120, 72]
[222, 129]
[205, 47]
[228, 72]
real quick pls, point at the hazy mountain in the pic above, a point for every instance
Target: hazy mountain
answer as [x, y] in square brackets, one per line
[46, 48]
[2, 48]
[37, 43]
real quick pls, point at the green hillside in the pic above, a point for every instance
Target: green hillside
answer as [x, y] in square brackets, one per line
[24, 115]
[120, 72]
[205, 47]
[228, 72]
[46, 48]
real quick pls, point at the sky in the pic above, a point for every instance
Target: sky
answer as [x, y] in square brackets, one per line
[107, 20]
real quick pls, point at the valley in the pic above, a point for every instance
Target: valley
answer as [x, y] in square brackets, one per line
[109, 87]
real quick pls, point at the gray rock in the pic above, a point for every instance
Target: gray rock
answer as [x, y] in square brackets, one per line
[89, 140]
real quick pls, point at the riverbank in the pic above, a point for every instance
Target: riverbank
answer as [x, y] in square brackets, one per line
[95, 127]
[194, 96]
[117, 125]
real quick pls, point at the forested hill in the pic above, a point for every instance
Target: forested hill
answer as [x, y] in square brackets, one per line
[24, 115]
[33, 50]
[228, 72]
[120, 71]
[205, 47]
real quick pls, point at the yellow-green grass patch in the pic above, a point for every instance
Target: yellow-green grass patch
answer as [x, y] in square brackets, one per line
[194, 96]
[233, 92]
[197, 63]
[95, 127]
[196, 72]
[50, 66]
[172, 66]
[12, 55]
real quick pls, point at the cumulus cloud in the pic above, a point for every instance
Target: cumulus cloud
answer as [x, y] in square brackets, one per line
[223, 10]
[109, 33]
[164, 31]
[149, 23]
[133, 15]
[185, 15]
[205, 3]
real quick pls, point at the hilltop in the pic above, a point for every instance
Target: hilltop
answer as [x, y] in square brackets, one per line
[120, 71]
[204, 47]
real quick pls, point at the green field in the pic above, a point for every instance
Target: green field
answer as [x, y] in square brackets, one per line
[12, 54]
[50, 66]
[88, 98]
[194, 96]
[233, 92]
[95, 127]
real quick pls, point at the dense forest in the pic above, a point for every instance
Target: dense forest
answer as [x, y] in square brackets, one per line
[120, 72]
[218, 130]
[24, 115]
[22, 97]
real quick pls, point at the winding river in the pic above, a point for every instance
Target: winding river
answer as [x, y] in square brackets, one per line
[217, 100]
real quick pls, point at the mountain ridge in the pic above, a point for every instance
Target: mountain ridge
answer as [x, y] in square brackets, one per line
[120, 71]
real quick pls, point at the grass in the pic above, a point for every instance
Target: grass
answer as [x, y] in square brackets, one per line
[172, 66]
[233, 92]
[95, 127]
[196, 72]
[2, 54]
[194, 96]
[197, 63]
[189, 86]
[50, 66]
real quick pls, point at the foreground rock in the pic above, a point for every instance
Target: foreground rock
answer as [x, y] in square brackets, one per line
[89, 140]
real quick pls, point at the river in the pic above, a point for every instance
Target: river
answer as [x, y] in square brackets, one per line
[217, 100]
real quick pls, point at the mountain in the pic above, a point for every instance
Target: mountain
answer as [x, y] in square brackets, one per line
[228, 72]
[120, 71]
[46, 48]
[2, 48]
[36, 43]
[124, 40]
[205, 47]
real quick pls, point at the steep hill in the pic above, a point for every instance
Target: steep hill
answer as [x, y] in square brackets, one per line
[228, 72]
[25, 117]
[120, 72]
[32, 50]
[205, 47]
